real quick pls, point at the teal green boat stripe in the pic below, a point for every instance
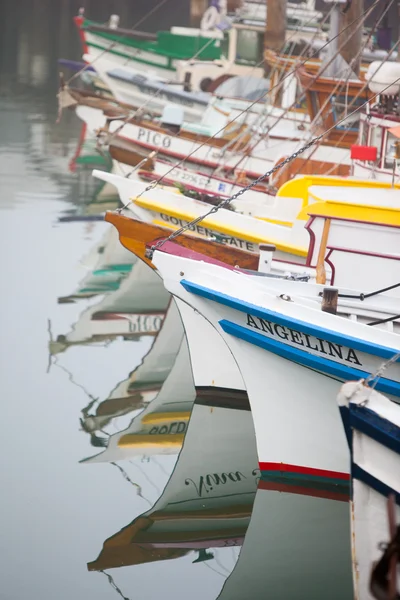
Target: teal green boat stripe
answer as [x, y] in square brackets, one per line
[133, 58]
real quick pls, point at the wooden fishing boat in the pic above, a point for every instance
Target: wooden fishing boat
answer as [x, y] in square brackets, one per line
[219, 369]
[284, 128]
[129, 86]
[281, 223]
[166, 208]
[218, 141]
[372, 134]
[211, 182]
[372, 425]
[208, 499]
[135, 235]
[201, 57]
[154, 53]
[327, 101]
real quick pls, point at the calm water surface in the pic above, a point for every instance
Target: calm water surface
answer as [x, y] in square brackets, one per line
[91, 507]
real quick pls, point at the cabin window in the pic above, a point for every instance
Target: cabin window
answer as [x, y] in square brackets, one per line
[249, 47]
[343, 105]
[376, 139]
[390, 151]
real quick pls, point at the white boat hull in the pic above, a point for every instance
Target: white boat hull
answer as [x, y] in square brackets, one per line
[290, 370]
[372, 423]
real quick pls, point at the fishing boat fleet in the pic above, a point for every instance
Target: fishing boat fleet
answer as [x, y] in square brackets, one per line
[256, 241]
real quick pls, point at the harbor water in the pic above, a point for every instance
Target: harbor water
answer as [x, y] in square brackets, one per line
[91, 507]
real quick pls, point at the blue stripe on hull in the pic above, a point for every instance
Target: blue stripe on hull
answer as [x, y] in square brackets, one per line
[374, 483]
[306, 359]
[314, 330]
[345, 414]
[379, 429]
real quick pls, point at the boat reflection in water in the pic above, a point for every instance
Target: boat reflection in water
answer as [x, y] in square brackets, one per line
[162, 385]
[90, 197]
[108, 264]
[207, 502]
[297, 547]
[296, 543]
[133, 305]
[135, 392]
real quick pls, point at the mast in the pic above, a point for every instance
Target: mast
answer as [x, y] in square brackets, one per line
[275, 27]
[342, 14]
[351, 49]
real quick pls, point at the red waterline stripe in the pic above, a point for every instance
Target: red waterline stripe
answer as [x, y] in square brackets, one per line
[303, 491]
[282, 467]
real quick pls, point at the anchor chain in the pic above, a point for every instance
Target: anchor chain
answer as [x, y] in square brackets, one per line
[226, 201]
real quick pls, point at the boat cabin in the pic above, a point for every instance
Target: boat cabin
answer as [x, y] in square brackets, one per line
[379, 137]
[343, 220]
[382, 133]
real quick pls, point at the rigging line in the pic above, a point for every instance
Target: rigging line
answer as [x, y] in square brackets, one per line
[347, 79]
[284, 113]
[320, 72]
[323, 67]
[114, 585]
[129, 480]
[226, 201]
[279, 84]
[299, 28]
[314, 123]
[362, 297]
[352, 103]
[154, 184]
[205, 564]
[50, 356]
[281, 71]
[72, 380]
[221, 565]
[387, 320]
[120, 39]
[152, 97]
[143, 472]
[271, 127]
[245, 157]
[236, 139]
[161, 467]
[319, 30]
[375, 377]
